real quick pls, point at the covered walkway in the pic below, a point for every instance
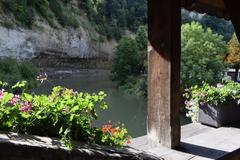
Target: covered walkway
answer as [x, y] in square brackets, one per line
[199, 142]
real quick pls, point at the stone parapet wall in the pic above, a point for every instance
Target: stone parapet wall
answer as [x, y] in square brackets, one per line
[25, 147]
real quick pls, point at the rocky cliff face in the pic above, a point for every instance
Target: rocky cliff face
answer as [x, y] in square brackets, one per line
[83, 42]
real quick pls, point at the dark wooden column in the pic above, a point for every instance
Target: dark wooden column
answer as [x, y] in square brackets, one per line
[164, 25]
[233, 10]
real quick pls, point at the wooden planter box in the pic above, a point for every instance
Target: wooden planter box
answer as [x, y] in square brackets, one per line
[219, 115]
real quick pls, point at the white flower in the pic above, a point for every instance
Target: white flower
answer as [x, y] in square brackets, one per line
[219, 85]
[234, 92]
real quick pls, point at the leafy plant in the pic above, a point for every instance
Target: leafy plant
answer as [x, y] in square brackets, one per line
[64, 113]
[199, 95]
[115, 135]
[12, 71]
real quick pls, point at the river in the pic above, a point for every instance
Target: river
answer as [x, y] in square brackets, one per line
[125, 108]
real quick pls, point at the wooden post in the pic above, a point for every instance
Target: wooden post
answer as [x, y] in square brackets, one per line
[232, 7]
[164, 26]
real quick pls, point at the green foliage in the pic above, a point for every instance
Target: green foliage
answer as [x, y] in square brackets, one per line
[64, 16]
[199, 95]
[113, 17]
[12, 71]
[130, 63]
[136, 85]
[218, 25]
[64, 114]
[233, 56]
[125, 60]
[115, 136]
[21, 11]
[42, 6]
[202, 55]
[141, 38]
[25, 11]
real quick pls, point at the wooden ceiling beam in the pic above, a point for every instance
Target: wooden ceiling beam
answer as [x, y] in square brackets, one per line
[232, 7]
[211, 7]
[213, 3]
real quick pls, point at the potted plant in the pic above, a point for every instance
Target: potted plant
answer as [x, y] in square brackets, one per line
[214, 105]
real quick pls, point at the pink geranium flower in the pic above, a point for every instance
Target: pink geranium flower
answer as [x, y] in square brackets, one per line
[15, 99]
[1, 94]
[26, 107]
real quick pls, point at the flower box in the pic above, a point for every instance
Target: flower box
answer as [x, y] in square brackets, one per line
[219, 115]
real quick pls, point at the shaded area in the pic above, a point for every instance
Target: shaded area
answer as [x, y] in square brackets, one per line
[199, 142]
[201, 151]
[42, 148]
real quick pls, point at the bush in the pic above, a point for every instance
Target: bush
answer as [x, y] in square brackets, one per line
[42, 6]
[12, 71]
[24, 11]
[64, 16]
[126, 60]
[21, 11]
[64, 114]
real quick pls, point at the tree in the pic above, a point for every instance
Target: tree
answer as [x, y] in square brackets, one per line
[233, 55]
[125, 62]
[141, 39]
[218, 25]
[202, 55]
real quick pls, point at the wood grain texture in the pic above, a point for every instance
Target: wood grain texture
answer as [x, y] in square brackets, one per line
[164, 72]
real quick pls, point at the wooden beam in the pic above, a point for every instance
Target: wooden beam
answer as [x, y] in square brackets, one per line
[213, 3]
[164, 26]
[232, 7]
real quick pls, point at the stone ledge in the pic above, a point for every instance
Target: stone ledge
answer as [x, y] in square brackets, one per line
[26, 147]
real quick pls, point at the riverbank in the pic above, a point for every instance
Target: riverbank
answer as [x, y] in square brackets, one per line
[53, 61]
[68, 72]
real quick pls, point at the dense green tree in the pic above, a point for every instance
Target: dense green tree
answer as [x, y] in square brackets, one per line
[125, 60]
[113, 17]
[218, 25]
[130, 63]
[141, 39]
[233, 55]
[202, 55]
